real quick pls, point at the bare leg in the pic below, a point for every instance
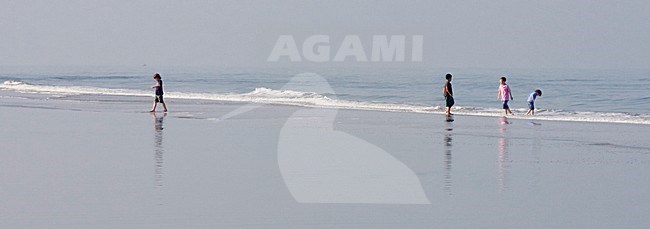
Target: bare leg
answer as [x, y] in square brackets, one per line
[153, 109]
[164, 107]
[448, 111]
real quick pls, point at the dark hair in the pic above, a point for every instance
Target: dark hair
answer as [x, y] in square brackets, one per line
[448, 76]
[156, 75]
[503, 78]
[539, 92]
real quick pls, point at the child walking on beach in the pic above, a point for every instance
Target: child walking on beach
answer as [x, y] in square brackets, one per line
[159, 93]
[505, 95]
[448, 92]
[531, 101]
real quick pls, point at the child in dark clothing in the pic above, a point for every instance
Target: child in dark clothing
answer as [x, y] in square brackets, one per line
[159, 93]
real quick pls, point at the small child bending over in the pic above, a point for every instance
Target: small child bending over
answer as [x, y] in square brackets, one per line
[531, 101]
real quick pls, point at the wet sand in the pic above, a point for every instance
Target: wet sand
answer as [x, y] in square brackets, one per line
[65, 165]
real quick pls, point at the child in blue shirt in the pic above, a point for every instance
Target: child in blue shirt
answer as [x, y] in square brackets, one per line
[531, 101]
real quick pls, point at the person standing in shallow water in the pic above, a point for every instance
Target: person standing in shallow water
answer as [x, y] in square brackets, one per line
[448, 92]
[505, 95]
[159, 93]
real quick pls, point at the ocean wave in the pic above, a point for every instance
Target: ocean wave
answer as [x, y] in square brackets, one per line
[310, 99]
[13, 82]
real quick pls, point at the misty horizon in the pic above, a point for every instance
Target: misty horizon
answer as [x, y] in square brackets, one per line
[468, 34]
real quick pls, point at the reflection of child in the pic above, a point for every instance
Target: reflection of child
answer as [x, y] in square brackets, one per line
[531, 101]
[159, 93]
[505, 95]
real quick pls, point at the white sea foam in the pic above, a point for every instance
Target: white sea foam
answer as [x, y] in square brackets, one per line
[12, 82]
[310, 99]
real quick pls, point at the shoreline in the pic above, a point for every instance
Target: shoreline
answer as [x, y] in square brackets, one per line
[578, 116]
[121, 168]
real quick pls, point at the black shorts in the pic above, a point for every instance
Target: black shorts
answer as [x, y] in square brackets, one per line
[449, 101]
[505, 104]
[159, 99]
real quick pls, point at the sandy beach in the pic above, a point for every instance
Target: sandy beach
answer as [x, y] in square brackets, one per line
[107, 164]
[324, 114]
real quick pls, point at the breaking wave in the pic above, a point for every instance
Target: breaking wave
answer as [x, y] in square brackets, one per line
[310, 99]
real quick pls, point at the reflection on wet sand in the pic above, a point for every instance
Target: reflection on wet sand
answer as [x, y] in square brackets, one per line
[535, 156]
[447, 145]
[158, 148]
[503, 152]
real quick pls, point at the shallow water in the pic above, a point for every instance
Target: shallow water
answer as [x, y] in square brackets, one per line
[579, 95]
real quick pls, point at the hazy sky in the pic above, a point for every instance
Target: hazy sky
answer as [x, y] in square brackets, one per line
[547, 34]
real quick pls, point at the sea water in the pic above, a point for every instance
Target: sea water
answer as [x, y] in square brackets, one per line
[617, 96]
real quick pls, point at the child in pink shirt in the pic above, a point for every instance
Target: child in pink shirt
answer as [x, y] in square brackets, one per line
[505, 95]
